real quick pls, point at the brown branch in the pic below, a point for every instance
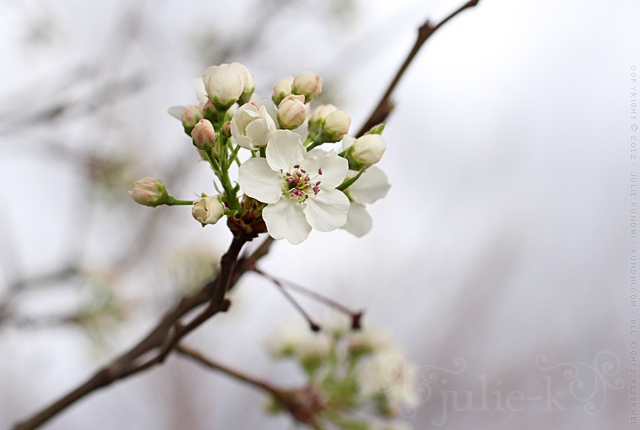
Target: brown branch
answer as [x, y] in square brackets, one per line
[319, 297]
[195, 355]
[304, 404]
[164, 336]
[385, 106]
[312, 324]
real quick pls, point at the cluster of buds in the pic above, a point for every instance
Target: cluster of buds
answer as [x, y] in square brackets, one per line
[285, 183]
[353, 372]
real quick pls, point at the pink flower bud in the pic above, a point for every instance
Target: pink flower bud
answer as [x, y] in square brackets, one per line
[224, 85]
[292, 111]
[282, 89]
[203, 134]
[336, 124]
[209, 111]
[207, 210]
[190, 118]
[149, 192]
[320, 113]
[307, 84]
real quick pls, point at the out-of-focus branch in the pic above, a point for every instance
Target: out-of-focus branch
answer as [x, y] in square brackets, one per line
[304, 404]
[312, 324]
[385, 106]
[107, 93]
[38, 281]
[356, 316]
[168, 332]
[195, 355]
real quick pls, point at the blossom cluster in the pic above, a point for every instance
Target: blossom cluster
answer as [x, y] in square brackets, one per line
[361, 376]
[287, 183]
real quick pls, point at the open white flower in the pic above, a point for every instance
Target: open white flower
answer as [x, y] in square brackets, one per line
[389, 373]
[298, 187]
[251, 127]
[295, 339]
[370, 186]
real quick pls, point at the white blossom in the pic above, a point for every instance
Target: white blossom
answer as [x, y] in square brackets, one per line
[389, 373]
[295, 339]
[298, 187]
[252, 126]
[371, 186]
[371, 339]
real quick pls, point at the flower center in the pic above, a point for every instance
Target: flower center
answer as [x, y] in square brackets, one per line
[298, 185]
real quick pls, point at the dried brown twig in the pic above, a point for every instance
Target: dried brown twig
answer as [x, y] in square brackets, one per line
[385, 106]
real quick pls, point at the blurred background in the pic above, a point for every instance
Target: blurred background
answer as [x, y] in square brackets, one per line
[504, 240]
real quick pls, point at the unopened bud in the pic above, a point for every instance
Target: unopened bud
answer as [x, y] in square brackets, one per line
[207, 210]
[190, 118]
[223, 84]
[204, 135]
[366, 151]
[307, 84]
[209, 111]
[149, 192]
[292, 112]
[315, 122]
[248, 82]
[335, 125]
[282, 89]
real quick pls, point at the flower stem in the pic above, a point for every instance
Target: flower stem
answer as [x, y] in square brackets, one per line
[232, 198]
[195, 355]
[308, 141]
[176, 202]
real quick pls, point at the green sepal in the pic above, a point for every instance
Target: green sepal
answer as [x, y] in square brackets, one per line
[348, 182]
[377, 129]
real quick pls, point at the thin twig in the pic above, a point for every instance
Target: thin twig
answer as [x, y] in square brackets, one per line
[195, 355]
[382, 111]
[356, 316]
[314, 326]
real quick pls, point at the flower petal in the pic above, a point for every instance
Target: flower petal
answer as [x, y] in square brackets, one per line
[259, 181]
[284, 149]
[303, 131]
[328, 210]
[258, 132]
[371, 186]
[285, 220]
[177, 111]
[201, 92]
[269, 105]
[358, 220]
[334, 168]
[347, 141]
